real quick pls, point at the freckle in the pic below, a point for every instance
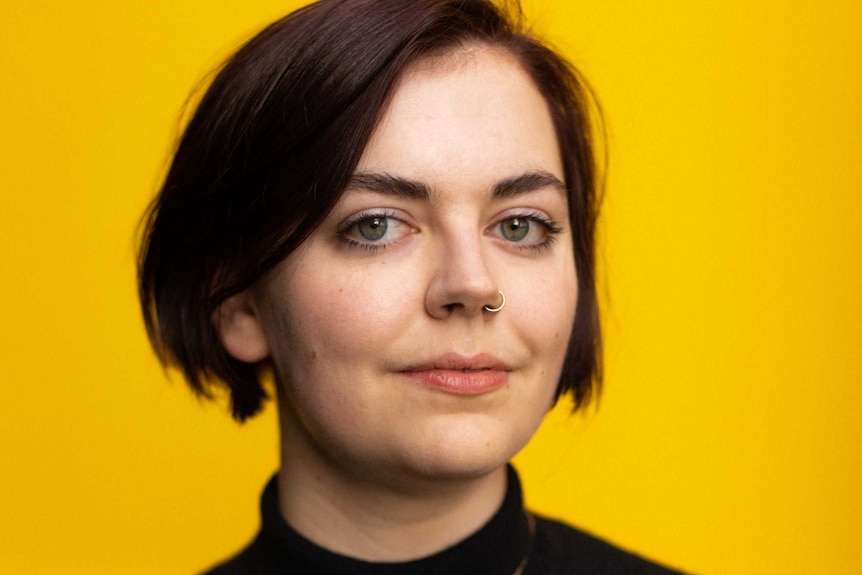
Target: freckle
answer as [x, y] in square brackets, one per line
[340, 290]
[313, 355]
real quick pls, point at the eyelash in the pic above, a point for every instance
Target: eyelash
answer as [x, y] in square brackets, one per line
[357, 219]
[549, 225]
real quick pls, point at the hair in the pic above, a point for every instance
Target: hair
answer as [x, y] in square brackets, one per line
[273, 142]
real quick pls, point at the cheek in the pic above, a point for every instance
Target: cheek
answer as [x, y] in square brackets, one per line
[330, 335]
[548, 303]
[327, 321]
[545, 317]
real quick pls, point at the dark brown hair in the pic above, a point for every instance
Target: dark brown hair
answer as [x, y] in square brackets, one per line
[273, 142]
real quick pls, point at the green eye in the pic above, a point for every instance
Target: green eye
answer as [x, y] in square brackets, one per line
[515, 229]
[372, 229]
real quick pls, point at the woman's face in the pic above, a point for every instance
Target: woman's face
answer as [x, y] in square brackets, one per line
[386, 360]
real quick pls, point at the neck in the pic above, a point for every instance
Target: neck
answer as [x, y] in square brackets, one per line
[368, 515]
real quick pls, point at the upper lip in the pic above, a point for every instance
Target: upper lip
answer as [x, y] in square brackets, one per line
[458, 362]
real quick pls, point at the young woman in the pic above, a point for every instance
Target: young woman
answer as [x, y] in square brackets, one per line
[389, 206]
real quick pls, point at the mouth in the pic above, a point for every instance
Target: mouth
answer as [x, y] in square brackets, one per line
[460, 363]
[460, 375]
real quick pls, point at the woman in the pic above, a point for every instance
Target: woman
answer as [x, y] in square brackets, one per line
[389, 206]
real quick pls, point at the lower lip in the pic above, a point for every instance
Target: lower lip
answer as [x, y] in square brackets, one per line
[461, 382]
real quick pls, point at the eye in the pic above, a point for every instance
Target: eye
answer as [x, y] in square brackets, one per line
[373, 230]
[527, 231]
[515, 229]
[532, 230]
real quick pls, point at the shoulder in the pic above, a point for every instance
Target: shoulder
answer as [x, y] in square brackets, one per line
[561, 549]
[252, 560]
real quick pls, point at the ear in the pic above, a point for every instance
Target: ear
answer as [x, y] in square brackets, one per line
[240, 329]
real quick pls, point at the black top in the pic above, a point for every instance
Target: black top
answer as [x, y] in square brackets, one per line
[512, 538]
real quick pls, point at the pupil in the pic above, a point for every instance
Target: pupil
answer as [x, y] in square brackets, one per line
[373, 229]
[515, 229]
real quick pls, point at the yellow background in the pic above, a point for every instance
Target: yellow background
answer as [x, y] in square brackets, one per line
[728, 439]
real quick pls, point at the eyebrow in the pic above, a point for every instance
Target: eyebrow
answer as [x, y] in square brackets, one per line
[414, 190]
[389, 185]
[528, 182]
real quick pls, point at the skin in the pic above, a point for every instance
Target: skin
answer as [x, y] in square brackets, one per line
[377, 464]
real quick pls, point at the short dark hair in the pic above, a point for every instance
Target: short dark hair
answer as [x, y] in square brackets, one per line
[273, 142]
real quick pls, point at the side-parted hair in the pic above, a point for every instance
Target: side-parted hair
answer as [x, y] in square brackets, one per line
[273, 143]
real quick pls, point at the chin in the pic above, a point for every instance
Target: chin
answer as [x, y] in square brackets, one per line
[465, 446]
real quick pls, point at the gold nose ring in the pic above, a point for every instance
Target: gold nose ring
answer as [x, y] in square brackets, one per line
[498, 308]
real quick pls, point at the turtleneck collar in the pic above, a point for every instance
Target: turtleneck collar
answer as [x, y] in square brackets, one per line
[497, 548]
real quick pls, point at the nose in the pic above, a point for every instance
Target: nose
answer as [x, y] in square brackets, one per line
[462, 281]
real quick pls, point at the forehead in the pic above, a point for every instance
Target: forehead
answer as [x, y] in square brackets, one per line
[471, 111]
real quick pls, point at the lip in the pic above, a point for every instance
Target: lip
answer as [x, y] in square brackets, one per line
[460, 375]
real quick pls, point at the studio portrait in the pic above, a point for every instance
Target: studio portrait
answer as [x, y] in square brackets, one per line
[397, 287]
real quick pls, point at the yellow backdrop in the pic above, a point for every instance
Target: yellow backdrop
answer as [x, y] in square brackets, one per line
[728, 439]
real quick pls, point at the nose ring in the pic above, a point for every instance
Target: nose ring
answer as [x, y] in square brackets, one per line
[498, 308]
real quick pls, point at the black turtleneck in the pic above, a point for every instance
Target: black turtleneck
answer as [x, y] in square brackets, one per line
[498, 548]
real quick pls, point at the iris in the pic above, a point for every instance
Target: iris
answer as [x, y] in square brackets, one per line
[373, 229]
[515, 229]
